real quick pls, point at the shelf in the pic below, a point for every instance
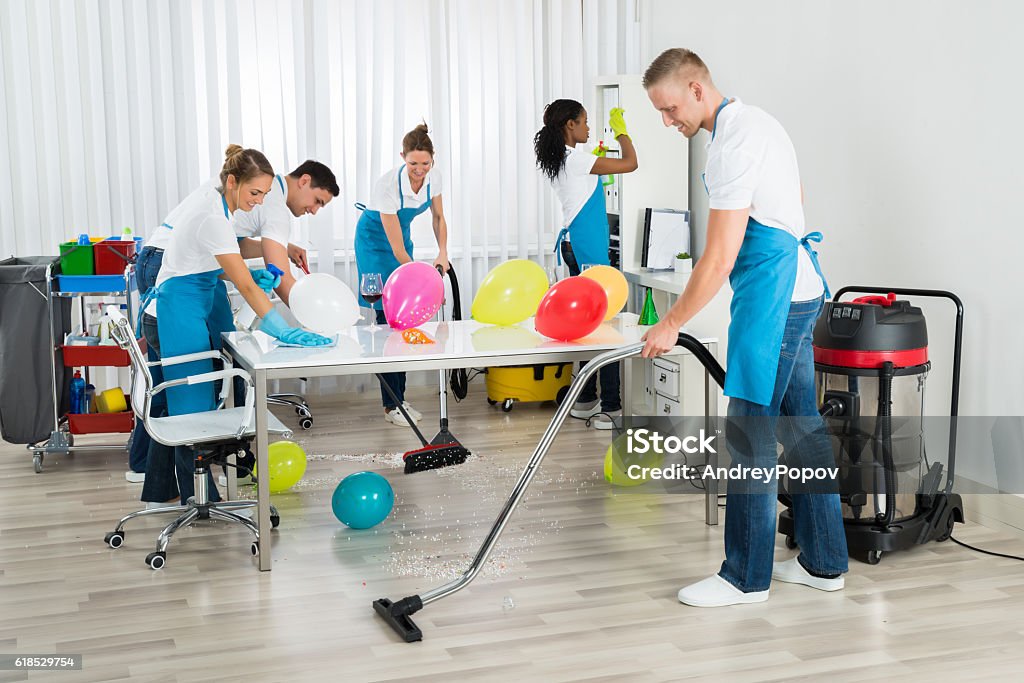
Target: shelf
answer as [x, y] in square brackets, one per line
[101, 423]
[97, 356]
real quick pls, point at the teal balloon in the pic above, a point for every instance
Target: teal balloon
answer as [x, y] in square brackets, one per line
[362, 500]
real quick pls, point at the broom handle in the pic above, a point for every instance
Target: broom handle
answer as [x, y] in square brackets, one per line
[400, 407]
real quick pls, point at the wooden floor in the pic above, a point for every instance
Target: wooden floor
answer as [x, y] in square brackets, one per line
[581, 587]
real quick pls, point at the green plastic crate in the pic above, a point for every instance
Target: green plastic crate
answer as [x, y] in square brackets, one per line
[76, 259]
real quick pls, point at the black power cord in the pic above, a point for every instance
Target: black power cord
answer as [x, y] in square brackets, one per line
[984, 552]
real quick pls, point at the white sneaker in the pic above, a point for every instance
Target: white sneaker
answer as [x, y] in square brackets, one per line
[585, 410]
[791, 571]
[395, 417]
[606, 420]
[222, 480]
[715, 591]
[135, 477]
[413, 413]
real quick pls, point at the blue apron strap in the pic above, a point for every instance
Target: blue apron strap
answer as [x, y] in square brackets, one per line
[224, 202]
[714, 124]
[150, 295]
[280, 182]
[558, 244]
[169, 227]
[401, 197]
[805, 242]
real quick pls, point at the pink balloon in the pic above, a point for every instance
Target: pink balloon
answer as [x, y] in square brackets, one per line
[412, 295]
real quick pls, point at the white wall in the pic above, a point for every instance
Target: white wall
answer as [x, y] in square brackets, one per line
[906, 117]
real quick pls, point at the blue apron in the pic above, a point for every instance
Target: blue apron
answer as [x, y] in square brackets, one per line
[762, 281]
[588, 232]
[192, 312]
[373, 251]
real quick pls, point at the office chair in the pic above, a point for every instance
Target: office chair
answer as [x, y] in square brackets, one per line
[212, 436]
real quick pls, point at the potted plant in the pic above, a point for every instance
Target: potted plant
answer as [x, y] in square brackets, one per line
[684, 264]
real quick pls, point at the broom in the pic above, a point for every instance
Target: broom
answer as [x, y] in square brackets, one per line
[431, 456]
[444, 449]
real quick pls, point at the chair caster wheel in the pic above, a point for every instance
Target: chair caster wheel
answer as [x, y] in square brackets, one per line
[506, 405]
[37, 463]
[874, 556]
[156, 560]
[275, 521]
[306, 423]
[254, 548]
[115, 539]
[790, 542]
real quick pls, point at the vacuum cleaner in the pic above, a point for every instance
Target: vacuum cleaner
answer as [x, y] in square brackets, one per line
[855, 368]
[871, 362]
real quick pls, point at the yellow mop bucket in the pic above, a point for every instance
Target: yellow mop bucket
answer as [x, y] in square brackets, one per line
[528, 383]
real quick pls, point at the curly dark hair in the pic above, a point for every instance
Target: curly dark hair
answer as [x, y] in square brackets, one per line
[549, 142]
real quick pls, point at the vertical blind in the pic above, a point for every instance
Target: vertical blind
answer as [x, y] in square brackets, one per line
[113, 110]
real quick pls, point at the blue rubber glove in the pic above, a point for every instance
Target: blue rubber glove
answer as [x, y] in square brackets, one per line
[264, 279]
[274, 325]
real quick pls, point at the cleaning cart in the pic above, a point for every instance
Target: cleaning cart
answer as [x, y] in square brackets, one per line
[104, 268]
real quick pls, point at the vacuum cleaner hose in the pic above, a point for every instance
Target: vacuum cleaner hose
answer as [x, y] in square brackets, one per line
[885, 427]
[458, 379]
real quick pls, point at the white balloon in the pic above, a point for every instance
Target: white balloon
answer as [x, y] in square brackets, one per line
[323, 303]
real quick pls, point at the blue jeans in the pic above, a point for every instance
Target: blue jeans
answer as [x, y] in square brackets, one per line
[147, 267]
[395, 380]
[164, 464]
[751, 505]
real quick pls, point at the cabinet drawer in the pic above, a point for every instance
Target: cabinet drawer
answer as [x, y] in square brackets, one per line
[666, 378]
[665, 406]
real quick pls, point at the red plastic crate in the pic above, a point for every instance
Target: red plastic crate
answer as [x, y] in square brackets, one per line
[98, 356]
[111, 256]
[101, 423]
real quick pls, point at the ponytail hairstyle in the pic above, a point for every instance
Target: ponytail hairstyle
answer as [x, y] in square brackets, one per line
[549, 142]
[244, 164]
[417, 140]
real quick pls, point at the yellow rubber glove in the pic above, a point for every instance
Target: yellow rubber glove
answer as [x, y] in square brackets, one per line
[600, 150]
[616, 122]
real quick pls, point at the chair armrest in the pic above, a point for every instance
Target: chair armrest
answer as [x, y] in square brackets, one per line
[225, 375]
[190, 357]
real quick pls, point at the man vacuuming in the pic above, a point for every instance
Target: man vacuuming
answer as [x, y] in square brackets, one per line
[755, 237]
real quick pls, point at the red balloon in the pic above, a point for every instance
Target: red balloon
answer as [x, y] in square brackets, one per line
[571, 309]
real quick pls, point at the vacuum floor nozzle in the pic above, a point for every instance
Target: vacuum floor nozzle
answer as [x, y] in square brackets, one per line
[396, 614]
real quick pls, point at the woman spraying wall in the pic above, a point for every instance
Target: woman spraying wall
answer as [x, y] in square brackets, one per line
[574, 174]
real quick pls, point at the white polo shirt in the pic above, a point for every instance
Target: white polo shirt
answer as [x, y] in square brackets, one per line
[752, 163]
[202, 231]
[272, 219]
[575, 184]
[385, 197]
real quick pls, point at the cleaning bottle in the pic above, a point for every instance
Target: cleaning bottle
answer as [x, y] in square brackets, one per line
[83, 239]
[77, 394]
[126, 235]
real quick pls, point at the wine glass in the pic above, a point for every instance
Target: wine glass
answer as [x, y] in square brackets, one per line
[371, 287]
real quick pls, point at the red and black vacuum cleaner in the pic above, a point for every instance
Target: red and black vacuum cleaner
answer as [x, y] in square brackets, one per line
[871, 361]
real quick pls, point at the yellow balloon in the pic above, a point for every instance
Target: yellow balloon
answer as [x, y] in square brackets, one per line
[287, 463]
[618, 459]
[614, 284]
[510, 293]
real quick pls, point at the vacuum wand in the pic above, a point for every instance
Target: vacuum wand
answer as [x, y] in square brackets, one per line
[398, 614]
